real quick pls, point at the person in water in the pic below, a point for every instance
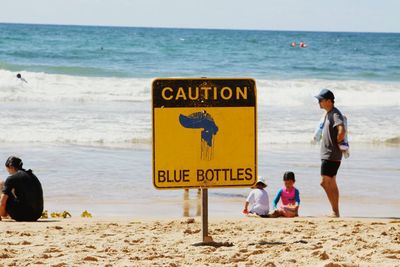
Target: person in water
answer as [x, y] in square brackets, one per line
[289, 196]
[258, 198]
[22, 194]
[19, 76]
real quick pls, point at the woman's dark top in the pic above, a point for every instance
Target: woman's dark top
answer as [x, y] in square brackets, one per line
[25, 196]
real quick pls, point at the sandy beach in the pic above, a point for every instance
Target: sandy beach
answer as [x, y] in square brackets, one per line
[244, 241]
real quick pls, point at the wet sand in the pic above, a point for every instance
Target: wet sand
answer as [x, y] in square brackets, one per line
[112, 182]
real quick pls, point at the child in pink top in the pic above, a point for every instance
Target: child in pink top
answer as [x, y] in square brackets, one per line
[289, 196]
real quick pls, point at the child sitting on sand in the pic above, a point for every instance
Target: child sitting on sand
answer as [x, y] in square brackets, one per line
[290, 197]
[258, 198]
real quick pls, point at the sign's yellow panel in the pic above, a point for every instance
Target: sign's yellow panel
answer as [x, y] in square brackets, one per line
[204, 133]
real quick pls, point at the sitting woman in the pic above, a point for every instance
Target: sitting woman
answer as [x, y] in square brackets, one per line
[22, 194]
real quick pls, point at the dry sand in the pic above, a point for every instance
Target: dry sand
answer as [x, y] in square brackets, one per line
[239, 242]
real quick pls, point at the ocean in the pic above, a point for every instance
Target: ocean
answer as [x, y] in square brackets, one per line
[82, 121]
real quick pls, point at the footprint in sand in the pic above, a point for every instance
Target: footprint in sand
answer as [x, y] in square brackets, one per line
[394, 257]
[52, 250]
[332, 264]
[391, 251]
[45, 256]
[90, 258]
[189, 231]
[324, 256]
[5, 256]
[134, 241]
[377, 223]
[256, 252]
[25, 234]
[315, 253]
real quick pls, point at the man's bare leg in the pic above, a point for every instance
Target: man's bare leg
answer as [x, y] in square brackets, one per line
[332, 191]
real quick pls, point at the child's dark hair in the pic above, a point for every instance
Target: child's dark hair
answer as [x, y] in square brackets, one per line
[14, 162]
[289, 176]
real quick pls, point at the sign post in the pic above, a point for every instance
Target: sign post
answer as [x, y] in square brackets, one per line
[204, 216]
[204, 135]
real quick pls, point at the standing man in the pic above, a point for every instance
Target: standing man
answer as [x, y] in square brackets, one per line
[22, 194]
[333, 134]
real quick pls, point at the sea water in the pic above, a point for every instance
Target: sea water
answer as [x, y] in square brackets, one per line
[82, 120]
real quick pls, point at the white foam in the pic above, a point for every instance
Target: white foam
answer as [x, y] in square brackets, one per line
[42, 87]
[348, 93]
[106, 111]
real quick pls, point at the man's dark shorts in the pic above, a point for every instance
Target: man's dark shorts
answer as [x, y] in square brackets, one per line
[329, 168]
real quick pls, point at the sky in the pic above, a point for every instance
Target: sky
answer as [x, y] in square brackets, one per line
[305, 15]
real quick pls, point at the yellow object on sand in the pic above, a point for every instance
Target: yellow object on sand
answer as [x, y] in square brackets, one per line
[45, 215]
[64, 214]
[86, 214]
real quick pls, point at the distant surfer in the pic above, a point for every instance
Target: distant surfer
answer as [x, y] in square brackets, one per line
[293, 44]
[19, 76]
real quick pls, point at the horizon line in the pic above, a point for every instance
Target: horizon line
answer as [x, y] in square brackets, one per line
[195, 28]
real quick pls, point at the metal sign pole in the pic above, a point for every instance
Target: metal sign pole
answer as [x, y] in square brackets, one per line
[204, 216]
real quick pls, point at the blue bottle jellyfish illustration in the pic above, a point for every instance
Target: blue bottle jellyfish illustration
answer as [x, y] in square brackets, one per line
[202, 120]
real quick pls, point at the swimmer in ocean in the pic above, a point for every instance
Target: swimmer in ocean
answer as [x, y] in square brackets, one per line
[19, 76]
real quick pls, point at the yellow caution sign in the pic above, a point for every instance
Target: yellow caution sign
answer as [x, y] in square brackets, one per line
[204, 133]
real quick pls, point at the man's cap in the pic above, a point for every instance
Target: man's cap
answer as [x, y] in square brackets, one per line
[261, 179]
[325, 94]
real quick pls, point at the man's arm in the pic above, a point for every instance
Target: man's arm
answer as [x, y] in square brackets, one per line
[341, 133]
[3, 202]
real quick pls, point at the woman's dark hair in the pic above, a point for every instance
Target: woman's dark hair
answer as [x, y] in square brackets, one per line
[14, 162]
[289, 176]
